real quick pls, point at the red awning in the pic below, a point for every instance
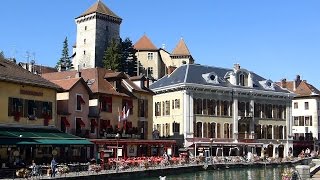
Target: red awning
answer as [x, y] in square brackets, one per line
[82, 124]
[94, 123]
[65, 121]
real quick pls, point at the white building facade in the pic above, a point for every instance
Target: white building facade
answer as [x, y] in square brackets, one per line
[204, 106]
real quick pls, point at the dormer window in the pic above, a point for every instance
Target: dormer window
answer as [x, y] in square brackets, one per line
[211, 78]
[241, 80]
[267, 84]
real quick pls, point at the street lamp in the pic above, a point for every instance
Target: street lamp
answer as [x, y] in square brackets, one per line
[211, 141]
[117, 138]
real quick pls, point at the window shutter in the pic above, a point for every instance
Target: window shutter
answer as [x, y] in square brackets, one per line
[39, 109]
[25, 108]
[139, 107]
[146, 108]
[10, 106]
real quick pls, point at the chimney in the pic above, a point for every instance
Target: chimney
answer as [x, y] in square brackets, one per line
[171, 69]
[296, 82]
[284, 83]
[236, 66]
[78, 74]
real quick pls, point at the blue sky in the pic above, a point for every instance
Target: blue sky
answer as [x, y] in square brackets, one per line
[276, 39]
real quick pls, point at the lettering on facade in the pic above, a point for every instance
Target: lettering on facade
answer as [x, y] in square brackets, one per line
[31, 93]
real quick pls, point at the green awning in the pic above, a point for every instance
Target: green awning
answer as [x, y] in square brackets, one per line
[38, 136]
[64, 141]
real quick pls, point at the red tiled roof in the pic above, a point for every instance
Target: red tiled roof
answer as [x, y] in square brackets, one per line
[66, 84]
[100, 7]
[93, 76]
[303, 89]
[12, 72]
[144, 43]
[181, 48]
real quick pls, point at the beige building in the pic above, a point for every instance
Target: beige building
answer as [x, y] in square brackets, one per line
[156, 62]
[111, 93]
[203, 106]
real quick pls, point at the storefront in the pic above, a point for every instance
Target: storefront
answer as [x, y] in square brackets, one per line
[124, 148]
[22, 145]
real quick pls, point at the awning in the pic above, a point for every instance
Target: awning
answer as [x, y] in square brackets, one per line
[94, 123]
[65, 121]
[38, 136]
[82, 124]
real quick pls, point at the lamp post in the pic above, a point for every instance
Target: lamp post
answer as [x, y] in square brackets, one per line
[117, 138]
[211, 141]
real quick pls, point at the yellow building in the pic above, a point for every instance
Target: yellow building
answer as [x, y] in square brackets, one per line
[28, 117]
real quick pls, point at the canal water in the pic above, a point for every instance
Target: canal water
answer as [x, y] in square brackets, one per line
[243, 173]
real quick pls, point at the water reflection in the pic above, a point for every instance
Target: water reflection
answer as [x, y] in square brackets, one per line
[263, 173]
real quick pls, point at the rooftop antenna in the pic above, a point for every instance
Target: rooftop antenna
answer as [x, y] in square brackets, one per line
[28, 56]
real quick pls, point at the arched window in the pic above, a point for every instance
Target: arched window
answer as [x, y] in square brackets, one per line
[218, 130]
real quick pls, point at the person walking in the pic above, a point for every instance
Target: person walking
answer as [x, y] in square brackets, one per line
[53, 167]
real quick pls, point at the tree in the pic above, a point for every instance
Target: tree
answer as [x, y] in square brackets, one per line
[120, 56]
[112, 56]
[129, 58]
[65, 60]
[2, 57]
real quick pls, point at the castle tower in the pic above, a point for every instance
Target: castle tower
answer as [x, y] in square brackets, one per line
[95, 29]
[181, 54]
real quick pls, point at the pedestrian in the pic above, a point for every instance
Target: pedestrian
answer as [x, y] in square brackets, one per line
[53, 167]
[34, 168]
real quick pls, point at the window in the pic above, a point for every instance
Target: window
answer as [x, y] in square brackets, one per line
[296, 121]
[167, 106]
[15, 107]
[143, 108]
[306, 105]
[295, 105]
[241, 79]
[172, 104]
[318, 105]
[150, 71]
[80, 101]
[107, 28]
[106, 104]
[158, 108]
[93, 125]
[177, 103]
[84, 41]
[84, 52]
[176, 127]
[31, 107]
[85, 28]
[150, 56]
[308, 120]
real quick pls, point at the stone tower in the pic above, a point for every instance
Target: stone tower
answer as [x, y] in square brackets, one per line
[95, 29]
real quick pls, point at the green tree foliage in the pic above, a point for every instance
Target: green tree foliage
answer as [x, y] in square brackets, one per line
[65, 60]
[129, 58]
[112, 56]
[2, 57]
[120, 56]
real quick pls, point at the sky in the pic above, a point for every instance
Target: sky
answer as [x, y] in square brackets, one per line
[275, 39]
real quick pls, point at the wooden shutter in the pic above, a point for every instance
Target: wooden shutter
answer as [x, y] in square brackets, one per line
[10, 106]
[139, 107]
[25, 108]
[146, 108]
[38, 105]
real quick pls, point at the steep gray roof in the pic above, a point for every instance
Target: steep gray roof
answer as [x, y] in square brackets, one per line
[192, 74]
